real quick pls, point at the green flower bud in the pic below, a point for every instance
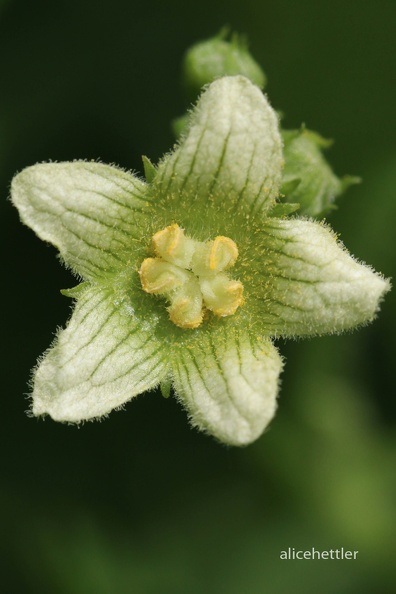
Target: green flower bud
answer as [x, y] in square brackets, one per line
[307, 177]
[215, 57]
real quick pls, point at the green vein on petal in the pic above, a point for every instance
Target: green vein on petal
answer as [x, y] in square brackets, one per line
[100, 361]
[308, 284]
[232, 152]
[228, 385]
[91, 212]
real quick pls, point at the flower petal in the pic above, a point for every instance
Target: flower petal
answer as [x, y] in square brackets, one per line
[229, 386]
[309, 282]
[232, 151]
[89, 211]
[102, 359]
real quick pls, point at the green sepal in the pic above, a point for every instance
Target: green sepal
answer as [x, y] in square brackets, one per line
[350, 180]
[149, 169]
[76, 291]
[289, 186]
[165, 387]
[283, 210]
[320, 141]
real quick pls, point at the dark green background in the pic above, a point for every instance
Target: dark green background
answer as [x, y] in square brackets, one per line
[140, 503]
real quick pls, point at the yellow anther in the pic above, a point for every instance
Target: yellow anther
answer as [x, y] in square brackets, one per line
[222, 295]
[223, 253]
[172, 245]
[186, 306]
[190, 274]
[165, 242]
[160, 277]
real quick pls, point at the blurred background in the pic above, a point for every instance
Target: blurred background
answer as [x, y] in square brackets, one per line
[140, 503]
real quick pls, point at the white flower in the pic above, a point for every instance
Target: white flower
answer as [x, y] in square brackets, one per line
[290, 276]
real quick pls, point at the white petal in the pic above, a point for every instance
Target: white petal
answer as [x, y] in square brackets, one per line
[229, 386]
[102, 359]
[89, 211]
[310, 284]
[232, 151]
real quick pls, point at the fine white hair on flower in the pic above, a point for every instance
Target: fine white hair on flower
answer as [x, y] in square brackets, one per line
[189, 276]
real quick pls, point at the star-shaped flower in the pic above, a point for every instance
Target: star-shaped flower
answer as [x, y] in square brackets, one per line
[189, 275]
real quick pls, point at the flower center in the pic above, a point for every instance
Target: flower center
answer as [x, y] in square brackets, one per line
[190, 274]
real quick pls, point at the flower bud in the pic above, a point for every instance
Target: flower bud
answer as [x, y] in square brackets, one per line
[307, 177]
[215, 57]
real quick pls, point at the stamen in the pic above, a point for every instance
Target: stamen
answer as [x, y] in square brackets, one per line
[190, 275]
[186, 306]
[223, 253]
[172, 245]
[166, 241]
[159, 277]
[222, 295]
